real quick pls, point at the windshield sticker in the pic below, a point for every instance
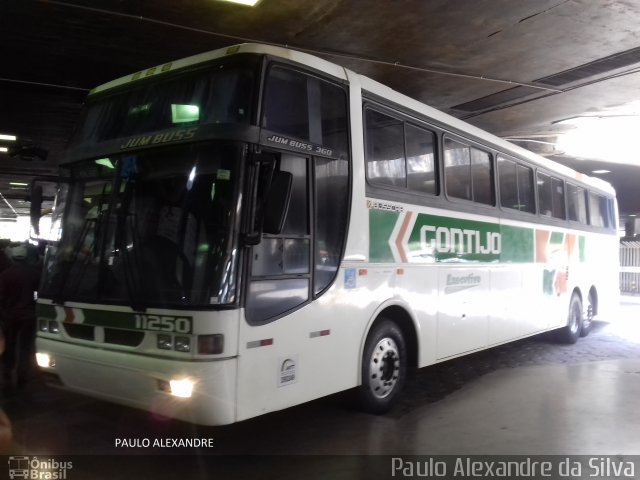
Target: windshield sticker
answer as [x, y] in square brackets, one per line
[224, 174]
[350, 278]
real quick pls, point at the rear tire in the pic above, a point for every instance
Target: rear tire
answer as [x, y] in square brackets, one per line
[384, 367]
[571, 332]
[588, 320]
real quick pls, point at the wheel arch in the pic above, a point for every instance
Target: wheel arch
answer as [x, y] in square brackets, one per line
[401, 316]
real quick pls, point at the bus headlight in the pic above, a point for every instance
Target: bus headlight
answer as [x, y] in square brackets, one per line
[182, 344]
[181, 388]
[48, 326]
[44, 360]
[165, 342]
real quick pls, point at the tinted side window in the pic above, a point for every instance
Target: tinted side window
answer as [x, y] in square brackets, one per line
[551, 196]
[457, 171]
[306, 107]
[334, 119]
[601, 211]
[611, 215]
[557, 192]
[286, 103]
[577, 203]
[468, 172]
[526, 193]
[482, 175]
[421, 170]
[332, 198]
[507, 177]
[385, 149]
[277, 258]
[545, 200]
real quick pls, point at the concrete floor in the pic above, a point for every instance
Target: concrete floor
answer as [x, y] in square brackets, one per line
[534, 397]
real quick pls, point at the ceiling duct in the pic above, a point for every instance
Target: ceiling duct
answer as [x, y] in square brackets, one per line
[499, 98]
[557, 80]
[591, 69]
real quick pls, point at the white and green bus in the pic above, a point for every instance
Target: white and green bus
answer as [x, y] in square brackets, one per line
[252, 228]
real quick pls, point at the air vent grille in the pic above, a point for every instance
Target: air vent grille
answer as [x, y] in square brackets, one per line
[597, 67]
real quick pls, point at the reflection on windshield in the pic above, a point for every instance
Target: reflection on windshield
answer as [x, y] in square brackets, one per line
[152, 229]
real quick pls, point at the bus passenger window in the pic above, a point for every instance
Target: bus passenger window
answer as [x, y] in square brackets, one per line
[457, 162]
[468, 172]
[526, 195]
[385, 150]
[577, 203]
[551, 196]
[516, 186]
[482, 175]
[557, 191]
[507, 178]
[600, 211]
[544, 195]
[421, 172]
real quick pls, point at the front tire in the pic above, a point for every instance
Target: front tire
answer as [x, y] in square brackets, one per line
[571, 332]
[384, 367]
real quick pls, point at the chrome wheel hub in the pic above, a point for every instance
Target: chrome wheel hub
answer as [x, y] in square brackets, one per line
[384, 368]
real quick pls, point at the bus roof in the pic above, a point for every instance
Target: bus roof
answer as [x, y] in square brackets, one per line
[367, 84]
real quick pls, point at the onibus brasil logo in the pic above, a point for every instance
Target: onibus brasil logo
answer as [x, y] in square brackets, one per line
[38, 468]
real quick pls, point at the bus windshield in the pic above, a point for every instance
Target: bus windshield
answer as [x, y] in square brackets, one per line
[151, 229]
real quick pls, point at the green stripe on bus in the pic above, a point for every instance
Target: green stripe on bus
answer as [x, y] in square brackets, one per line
[446, 238]
[517, 244]
[103, 318]
[381, 224]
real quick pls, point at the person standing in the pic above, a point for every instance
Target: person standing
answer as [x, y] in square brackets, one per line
[18, 284]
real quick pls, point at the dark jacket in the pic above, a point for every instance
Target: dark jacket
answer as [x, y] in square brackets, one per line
[17, 286]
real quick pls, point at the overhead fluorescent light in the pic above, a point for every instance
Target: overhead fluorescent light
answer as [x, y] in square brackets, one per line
[249, 3]
[4, 149]
[600, 171]
[19, 184]
[10, 138]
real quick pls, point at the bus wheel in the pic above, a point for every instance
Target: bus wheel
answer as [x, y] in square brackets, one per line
[384, 367]
[571, 332]
[588, 320]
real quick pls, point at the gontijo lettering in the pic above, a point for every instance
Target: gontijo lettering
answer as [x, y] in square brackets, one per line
[457, 240]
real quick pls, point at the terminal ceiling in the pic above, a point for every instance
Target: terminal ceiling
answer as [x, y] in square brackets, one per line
[513, 67]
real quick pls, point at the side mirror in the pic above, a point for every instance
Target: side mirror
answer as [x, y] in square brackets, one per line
[35, 209]
[277, 203]
[42, 193]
